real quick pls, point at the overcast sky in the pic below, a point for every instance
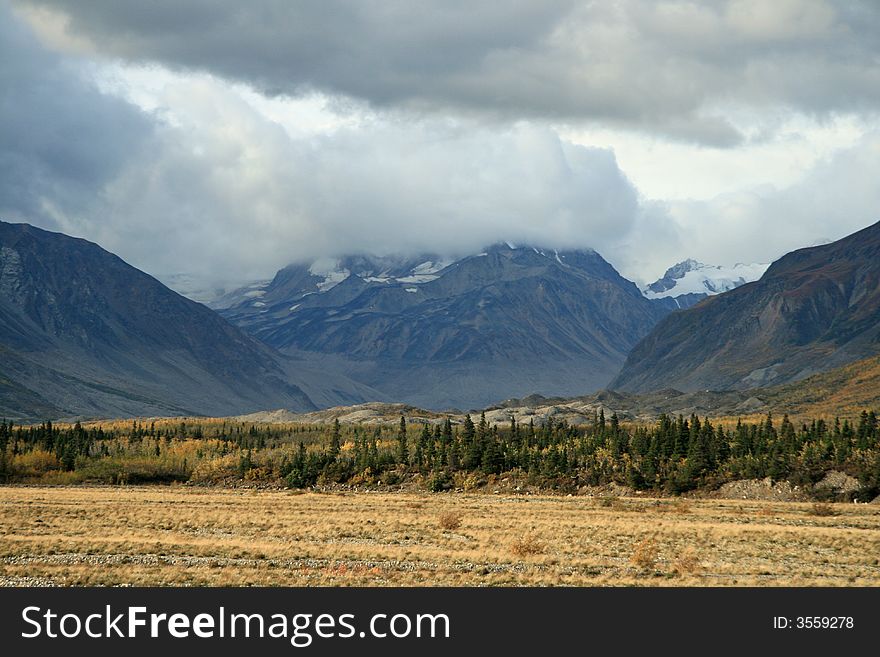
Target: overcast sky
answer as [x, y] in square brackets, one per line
[224, 140]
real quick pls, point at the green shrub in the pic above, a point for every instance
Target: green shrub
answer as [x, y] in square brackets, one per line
[439, 482]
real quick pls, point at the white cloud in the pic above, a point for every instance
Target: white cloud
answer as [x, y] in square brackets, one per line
[185, 171]
[231, 187]
[781, 149]
[837, 196]
[670, 68]
[227, 189]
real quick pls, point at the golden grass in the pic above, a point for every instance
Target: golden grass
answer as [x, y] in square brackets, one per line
[527, 546]
[843, 392]
[645, 554]
[450, 520]
[823, 509]
[687, 563]
[181, 535]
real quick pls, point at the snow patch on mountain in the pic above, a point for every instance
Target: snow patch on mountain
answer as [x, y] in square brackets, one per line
[296, 282]
[429, 267]
[330, 271]
[425, 272]
[694, 277]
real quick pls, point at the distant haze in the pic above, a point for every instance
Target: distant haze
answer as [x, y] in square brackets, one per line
[216, 143]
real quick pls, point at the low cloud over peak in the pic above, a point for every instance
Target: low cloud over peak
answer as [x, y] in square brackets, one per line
[227, 144]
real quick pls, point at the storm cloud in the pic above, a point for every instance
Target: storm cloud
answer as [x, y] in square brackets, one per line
[216, 189]
[62, 139]
[260, 198]
[225, 141]
[673, 68]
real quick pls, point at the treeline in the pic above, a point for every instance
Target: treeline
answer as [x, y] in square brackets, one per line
[674, 455]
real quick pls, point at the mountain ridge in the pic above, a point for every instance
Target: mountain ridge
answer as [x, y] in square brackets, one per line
[84, 333]
[813, 309]
[501, 322]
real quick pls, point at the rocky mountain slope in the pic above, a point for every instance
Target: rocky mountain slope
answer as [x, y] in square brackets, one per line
[84, 333]
[813, 310]
[502, 323]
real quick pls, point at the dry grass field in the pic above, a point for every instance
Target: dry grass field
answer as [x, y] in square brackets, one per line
[190, 536]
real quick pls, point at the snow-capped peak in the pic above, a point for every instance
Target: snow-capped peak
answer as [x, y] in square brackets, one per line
[425, 272]
[694, 277]
[330, 270]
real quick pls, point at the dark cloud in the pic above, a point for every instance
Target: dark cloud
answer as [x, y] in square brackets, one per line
[223, 193]
[663, 67]
[239, 196]
[61, 139]
[209, 185]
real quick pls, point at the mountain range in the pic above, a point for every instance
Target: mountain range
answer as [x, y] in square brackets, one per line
[82, 333]
[501, 323]
[813, 309]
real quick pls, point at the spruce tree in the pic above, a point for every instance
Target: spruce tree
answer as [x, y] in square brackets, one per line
[335, 439]
[374, 453]
[492, 459]
[4, 441]
[482, 427]
[422, 446]
[402, 449]
[468, 430]
[472, 444]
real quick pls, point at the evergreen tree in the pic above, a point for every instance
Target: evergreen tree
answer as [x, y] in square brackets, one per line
[374, 454]
[492, 458]
[681, 439]
[335, 440]
[472, 443]
[402, 449]
[422, 446]
[468, 430]
[5, 432]
[615, 424]
[482, 427]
